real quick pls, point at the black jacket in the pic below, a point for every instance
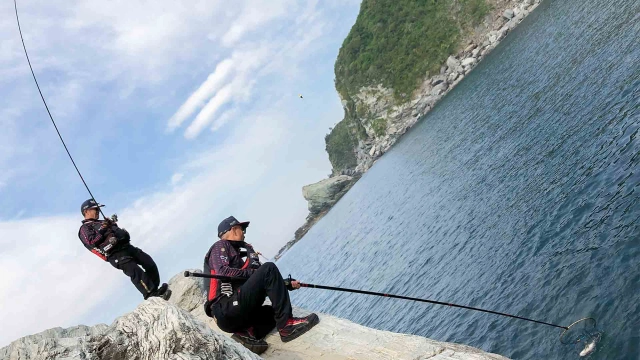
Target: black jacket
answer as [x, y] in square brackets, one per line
[95, 239]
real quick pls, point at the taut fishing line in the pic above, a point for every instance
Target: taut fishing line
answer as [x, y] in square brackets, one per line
[583, 334]
[49, 112]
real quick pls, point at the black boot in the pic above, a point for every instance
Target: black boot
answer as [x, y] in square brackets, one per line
[162, 292]
[246, 338]
[298, 326]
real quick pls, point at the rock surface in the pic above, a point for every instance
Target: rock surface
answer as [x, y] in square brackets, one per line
[179, 329]
[325, 193]
[154, 330]
[508, 13]
[56, 343]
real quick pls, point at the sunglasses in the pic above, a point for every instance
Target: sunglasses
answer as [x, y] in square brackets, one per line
[244, 231]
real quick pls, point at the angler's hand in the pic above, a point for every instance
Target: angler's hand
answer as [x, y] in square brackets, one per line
[291, 283]
[106, 224]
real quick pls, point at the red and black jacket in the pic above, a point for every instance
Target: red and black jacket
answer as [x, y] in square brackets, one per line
[94, 237]
[226, 258]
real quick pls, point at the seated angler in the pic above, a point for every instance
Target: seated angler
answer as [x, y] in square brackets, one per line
[237, 306]
[111, 243]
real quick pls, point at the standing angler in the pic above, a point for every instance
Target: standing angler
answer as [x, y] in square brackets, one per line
[111, 243]
[237, 306]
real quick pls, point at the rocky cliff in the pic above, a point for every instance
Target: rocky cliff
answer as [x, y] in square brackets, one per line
[376, 114]
[179, 329]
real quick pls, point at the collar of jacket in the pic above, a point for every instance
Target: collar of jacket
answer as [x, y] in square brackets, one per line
[89, 220]
[236, 244]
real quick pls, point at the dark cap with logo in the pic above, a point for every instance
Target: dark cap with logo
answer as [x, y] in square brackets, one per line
[89, 204]
[228, 223]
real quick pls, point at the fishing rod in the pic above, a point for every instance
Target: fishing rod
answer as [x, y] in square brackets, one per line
[314, 286]
[582, 330]
[49, 112]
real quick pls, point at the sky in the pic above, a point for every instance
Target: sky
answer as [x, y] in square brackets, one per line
[178, 114]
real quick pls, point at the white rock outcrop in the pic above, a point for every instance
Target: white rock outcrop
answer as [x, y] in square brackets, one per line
[325, 193]
[509, 13]
[56, 343]
[154, 330]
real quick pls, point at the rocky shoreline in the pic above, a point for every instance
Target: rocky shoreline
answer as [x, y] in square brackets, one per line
[379, 103]
[179, 329]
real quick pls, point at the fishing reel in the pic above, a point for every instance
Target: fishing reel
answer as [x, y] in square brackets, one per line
[113, 220]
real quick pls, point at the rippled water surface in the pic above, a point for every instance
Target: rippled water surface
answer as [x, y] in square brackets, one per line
[518, 193]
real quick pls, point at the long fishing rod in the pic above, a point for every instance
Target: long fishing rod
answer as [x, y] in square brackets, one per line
[427, 301]
[49, 112]
[314, 286]
[582, 331]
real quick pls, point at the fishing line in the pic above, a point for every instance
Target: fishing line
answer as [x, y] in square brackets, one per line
[49, 112]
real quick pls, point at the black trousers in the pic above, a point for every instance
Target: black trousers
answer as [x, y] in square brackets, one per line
[129, 259]
[244, 309]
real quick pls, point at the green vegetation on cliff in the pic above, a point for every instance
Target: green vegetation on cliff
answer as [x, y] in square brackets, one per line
[396, 42]
[340, 145]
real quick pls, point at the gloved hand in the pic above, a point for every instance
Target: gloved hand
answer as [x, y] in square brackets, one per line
[291, 283]
[106, 225]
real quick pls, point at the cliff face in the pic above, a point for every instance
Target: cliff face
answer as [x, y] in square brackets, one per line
[399, 60]
[179, 329]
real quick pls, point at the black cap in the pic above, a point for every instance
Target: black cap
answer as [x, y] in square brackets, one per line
[89, 204]
[228, 223]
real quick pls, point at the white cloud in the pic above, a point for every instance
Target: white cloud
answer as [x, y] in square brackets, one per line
[254, 16]
[230, 92]
[176, 178]
[146, 38]
[204, 92]
[239, 72]
[205, 116]
[223, 119]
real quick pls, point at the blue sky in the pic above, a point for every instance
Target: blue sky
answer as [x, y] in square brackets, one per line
[177, 116]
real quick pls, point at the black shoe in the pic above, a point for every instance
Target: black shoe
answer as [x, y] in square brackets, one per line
[162, 292]
[166, 295]
[256, 346]
[298, 326]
